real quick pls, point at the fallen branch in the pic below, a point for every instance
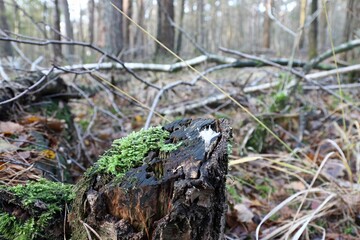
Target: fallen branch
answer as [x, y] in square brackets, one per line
[333, 72]
[338, 49]
[291, 70]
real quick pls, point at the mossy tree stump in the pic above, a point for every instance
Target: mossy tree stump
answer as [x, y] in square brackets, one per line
[173, 195]
[160, 183]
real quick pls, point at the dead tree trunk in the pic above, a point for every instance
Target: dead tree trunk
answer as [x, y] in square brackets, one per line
[179, 195]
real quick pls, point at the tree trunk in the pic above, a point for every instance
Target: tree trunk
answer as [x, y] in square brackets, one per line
[127, 8]
[201, 26]
[348, 22]
[323, 32]
[267, 25]
[165, 31]
[302, 18]
[181, 23]
[313, 31]
[347, 34]
[5, 47]
[139, 36]
[113, 26]
[69, 49]
[57, 33]
[91, 8]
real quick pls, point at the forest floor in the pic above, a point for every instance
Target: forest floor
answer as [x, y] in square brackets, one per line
[313, 190]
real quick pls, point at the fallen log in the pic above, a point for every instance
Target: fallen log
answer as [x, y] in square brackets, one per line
[32, 88]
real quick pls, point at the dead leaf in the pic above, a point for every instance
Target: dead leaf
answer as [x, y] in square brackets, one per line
[243, 213]
[10, 128]
[30, 119]
[48, 154]
[334, 168]
[296, 185]
[7, 147]
[24, 155]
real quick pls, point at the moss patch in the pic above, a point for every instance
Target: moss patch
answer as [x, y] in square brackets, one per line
[51, 196]
[129, 152]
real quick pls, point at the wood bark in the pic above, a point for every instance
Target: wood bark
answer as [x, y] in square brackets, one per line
[165, 31]
[180, 195]
[5, 47]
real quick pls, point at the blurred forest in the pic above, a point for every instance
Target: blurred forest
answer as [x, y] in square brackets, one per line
[77, 74]
[257, 27]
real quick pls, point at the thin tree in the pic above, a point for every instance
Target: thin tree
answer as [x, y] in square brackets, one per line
[181, 23]
[303, 4]
[313, 31]
[69, 50]
[127, 8]
[91, 9]
[267, 25]
[57, 34]
[5, 47]
[138, 36]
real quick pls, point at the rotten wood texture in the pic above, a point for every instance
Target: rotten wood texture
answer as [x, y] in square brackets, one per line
[32, 88]
[179, 195]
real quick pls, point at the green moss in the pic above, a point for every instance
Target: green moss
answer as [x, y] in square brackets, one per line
[281, 99]
[11, 228]
[233, 193]
[257, 139]
[129, 152]
[53, 195]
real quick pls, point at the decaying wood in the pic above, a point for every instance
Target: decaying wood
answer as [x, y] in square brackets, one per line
[31, 89]
[180, 195]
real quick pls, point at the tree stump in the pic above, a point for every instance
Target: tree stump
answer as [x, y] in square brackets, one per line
[174, 195]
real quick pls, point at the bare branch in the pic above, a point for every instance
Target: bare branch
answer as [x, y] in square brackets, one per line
[291, 70]
[42, 79]
[338, 49]
[45, 42]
